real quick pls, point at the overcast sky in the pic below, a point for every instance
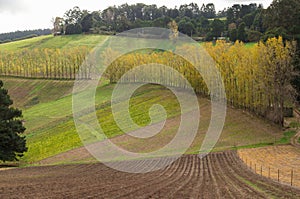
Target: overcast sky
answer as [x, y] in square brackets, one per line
[35, 14]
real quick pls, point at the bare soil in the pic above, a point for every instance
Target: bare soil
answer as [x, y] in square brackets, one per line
[218, 175]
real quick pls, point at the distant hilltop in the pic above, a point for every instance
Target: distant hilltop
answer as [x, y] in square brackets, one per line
[20, 35]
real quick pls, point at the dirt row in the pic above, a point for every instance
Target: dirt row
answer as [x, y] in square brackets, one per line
[218, 175]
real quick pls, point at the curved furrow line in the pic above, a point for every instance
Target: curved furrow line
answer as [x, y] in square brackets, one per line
[143, 188]
[243, 174]
[247, 174]
[88, 186]
[203, 193]
[242, 190]
[209, 186]
[138, 164]
[230, 188]
[131, 180]
[52, 185]
[195, 192]
[191, 185]
[220, 177]
[187, 182]
[170, 187]
[158, 190]
[161, 189]
[84, 168]
[213, 176]
[269, 186]
[246, 190]
[136, 182]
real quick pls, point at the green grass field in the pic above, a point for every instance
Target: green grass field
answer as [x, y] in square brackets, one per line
[50, 41]
[250, 45]
[51, 129]
[69, 41]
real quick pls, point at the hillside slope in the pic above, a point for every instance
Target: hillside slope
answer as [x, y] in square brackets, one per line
[26, 92]
[51, 130]
[47, 110]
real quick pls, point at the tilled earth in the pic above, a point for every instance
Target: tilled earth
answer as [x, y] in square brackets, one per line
[218, 175]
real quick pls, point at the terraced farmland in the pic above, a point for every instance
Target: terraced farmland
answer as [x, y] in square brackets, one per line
[218, 175]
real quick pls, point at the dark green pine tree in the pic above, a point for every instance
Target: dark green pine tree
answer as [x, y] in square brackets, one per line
[241, 33]
[12, 144]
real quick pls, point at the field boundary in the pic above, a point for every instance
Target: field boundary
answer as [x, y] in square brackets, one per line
[268, 162]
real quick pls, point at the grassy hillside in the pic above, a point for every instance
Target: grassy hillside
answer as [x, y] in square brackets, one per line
[50, 41]
[51, 130]
[47, 110]
[27, 93]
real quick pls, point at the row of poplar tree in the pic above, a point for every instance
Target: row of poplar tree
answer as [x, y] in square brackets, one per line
[256, 78]
[44, 63]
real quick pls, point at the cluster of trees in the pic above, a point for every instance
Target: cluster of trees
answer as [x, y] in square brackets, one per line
[127, 62]
[20, 35]
[247, 23]
[263, 88]
[258, 78]
[282, 18]
[252, 23]
[244, 22]
[191, 19]
[44, 63]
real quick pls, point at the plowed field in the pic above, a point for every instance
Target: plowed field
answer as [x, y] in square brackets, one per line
[218, 175]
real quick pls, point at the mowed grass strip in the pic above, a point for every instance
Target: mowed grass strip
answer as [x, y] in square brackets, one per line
[49, 41]
[22, 44]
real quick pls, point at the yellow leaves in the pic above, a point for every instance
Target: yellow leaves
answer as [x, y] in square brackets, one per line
[109, 55]
[43, 63]
[174, 30]
[252, 75]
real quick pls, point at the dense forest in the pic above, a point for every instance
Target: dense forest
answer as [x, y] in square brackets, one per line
[20, 35]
